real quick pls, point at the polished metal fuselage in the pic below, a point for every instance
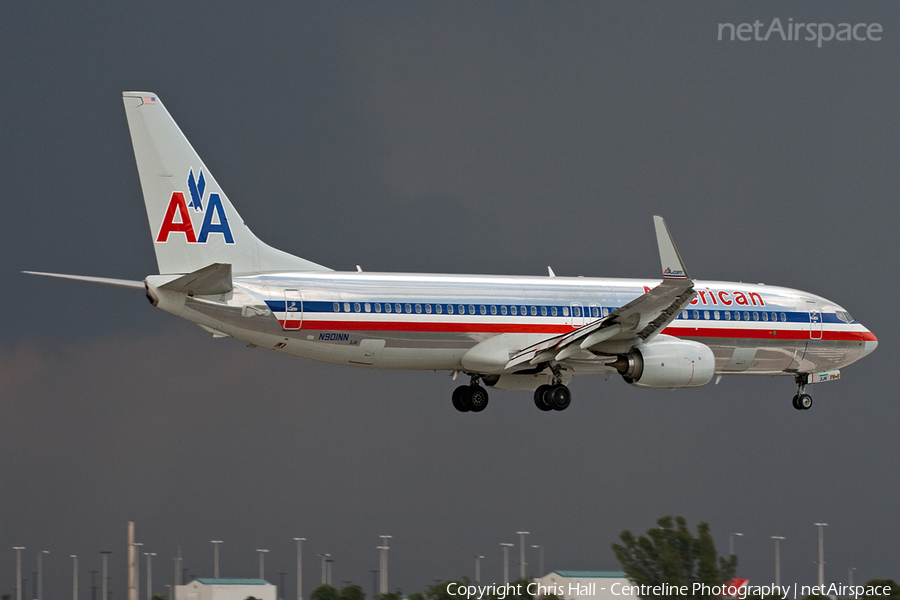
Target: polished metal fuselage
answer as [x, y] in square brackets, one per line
[413, 321]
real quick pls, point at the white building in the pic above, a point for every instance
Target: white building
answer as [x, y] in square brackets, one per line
[226, 589]
[583, 585]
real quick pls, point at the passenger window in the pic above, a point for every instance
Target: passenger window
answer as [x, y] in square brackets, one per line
[716, 315]
[595, 312]
[387, 307]
[605, 312]
[408, 308]
[737, 316]
[471, 310]
[428, 309]
[513, 310]
[774, 317]
[368, 307]
[543, 311]
[706, 315]
[727, 315]
[565, 311]
[346, 307]
[765, 316]
[746, 316]
[503, 310]
[449, 309]
[755, 316]
[783, 317]
[534, 311]
[482, 309]
[418, 309]
[696, 314]
[337, 307]
[576, 310]
[524, 311]
[493, 309]
[438, 308]
[356, 307]
[553, 311]
[462, 309]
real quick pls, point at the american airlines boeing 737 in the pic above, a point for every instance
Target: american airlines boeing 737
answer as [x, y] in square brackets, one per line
[506, 332]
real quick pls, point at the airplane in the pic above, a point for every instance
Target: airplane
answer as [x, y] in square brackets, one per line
[504, 332]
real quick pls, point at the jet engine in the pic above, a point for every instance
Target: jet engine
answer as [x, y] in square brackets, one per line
[667, 362]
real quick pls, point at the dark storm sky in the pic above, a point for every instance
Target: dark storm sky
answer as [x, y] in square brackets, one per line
[488, 137]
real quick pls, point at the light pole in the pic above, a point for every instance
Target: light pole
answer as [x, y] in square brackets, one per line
[328, 563]
[40, 581]
[299, 567]
[850, 576]
[383, 578]
[541, 559]
[522, 535]
[215, 544]
[821, 527]
[478, 569]
[731, 542]
[149, 555]
[137, 570]
[262, 562]
[18, 550]
[74, 576]
[506, 548]
[778, 539]
[323, 556]
[105, 578]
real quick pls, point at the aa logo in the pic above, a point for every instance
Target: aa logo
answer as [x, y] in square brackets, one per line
[178, 217]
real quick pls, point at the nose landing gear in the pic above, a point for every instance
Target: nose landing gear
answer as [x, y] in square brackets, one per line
[802, 400]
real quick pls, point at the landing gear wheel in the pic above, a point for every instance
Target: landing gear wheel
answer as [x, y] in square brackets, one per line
[560, 397]
[461, 399]
[477, 398]
[794, 402]
[804, 401]
[540, 398]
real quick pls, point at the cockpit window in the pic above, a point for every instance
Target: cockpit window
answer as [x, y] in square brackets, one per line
[844, 316]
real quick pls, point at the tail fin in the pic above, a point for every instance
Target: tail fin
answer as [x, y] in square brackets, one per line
[192, 222]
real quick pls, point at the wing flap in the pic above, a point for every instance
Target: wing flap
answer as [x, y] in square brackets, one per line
[632, 324]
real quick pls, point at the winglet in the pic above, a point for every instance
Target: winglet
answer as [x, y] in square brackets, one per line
[672, 266]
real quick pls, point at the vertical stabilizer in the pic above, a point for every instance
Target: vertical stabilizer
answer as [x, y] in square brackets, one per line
[192, 222]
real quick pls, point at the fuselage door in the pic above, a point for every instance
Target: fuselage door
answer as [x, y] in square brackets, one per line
[293, 309]
[577, 314]
[815, 320]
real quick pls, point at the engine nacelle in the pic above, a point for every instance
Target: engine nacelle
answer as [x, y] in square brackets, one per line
[668, 362]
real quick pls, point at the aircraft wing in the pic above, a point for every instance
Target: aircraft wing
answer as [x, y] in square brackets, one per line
[632, 324]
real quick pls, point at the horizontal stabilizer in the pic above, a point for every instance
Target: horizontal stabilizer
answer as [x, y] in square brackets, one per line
[208, 281]
[117, 282]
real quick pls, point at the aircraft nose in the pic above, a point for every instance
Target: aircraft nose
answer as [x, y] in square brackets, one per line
[869, 346]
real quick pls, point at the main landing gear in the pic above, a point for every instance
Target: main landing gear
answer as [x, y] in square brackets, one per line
[470, 397]
[554, 396]
[802, 400]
